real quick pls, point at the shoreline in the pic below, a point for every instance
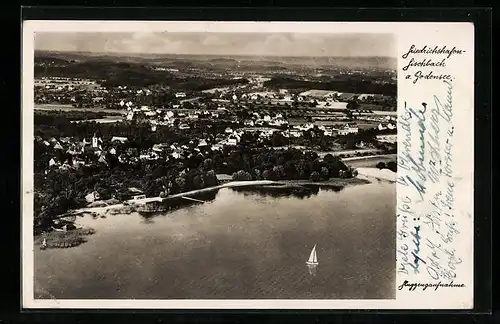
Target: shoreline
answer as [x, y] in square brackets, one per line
[367, 157]
[334, 182]
[72, 238]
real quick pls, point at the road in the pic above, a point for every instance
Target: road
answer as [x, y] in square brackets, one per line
[189, 100]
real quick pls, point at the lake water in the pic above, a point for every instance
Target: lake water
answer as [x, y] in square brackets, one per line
[238, 245]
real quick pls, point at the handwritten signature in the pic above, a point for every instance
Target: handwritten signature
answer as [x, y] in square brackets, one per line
[413, 286]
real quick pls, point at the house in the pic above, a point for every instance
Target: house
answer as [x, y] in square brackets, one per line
[159, 147]
[193, 116]
[348, 129]
[169, 114]
[391, 126]
[184, 126]
[93, 196]
[92, 149]
[120, 139]
[58, 147]
[112, 151]
[216, 147]
[96, 141]
[228, 130]
[224, 177]
[180, 95]
[102, 159]
[76, 149]
[53, 141]
[248, 122]
[267, 118]
[134, 191]
[202, 143]
[278, 122]
[52, 162]
[380, 127]
[304, 127]
[328, 132]
[392, 138]
[153, 128]
[232, 141]
[77, 163]
[177, 154]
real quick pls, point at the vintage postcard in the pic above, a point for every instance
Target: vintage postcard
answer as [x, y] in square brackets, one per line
[263, 165]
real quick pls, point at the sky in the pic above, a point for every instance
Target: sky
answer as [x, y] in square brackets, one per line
[262, 44]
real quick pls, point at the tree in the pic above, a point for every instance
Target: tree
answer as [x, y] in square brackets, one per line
[180, 181]
[329, 158]
[266, 175]
[324, 173]
[381, 165]
[393, 166]
[279, 171]
[315, 176]
[256, 174]
[352, 104]
[208, 164]
[242, 175]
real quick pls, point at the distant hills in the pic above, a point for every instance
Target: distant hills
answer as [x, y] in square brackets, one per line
[386, 63]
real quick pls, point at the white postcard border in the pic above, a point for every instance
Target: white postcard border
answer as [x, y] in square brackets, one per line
[407, 33]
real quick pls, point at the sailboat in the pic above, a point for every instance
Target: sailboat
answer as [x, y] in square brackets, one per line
[312, 262]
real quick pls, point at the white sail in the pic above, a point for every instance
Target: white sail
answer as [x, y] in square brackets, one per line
[313, 259]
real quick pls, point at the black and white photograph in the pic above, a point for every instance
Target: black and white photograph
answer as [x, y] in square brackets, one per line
[198, 165]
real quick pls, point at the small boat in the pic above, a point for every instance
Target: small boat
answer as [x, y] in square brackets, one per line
[312, 262]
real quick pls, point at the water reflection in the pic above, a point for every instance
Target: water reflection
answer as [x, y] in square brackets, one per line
[170, 205]
[277, 191]
[312, 268]
[274, 191]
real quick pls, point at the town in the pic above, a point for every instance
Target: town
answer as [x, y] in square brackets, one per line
[101, 139]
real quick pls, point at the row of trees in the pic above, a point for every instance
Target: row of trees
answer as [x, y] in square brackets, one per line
[62, 189]
[291, 164]
[354, 86]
